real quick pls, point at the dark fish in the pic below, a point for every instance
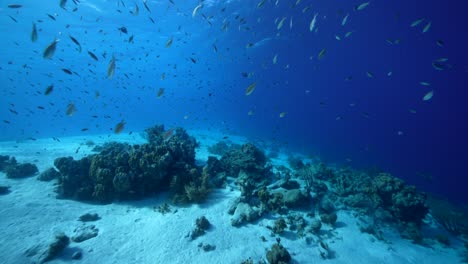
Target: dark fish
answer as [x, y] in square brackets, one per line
[6, 121]
[13, 111]
[130, 39]
[160, 92]
[119, 127]
[67, 71]
[71, 109]
[63, 3]
[215, 48]
[41, 107]
[12, 18]
[34, 33]
[111, 68]
[146, 6]
[50, 50]
[93, 56]
[152, 20]
[14, 6]
[193, 60]
[84, 129]
[123, 30]
[76, 42]
[78, 149]
[49, 89]
[51, 17]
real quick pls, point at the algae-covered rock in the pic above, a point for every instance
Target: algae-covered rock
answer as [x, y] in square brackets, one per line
[278, 255]
[60, 242]
[84, 233]
[247, 158]
[20, 170]
[48, 175]
[244, 213]
[295, 198]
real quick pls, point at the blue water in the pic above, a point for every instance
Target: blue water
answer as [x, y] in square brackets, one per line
[363, 122]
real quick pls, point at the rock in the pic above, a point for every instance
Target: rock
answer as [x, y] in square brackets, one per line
[278, 254]
[295, 198]
[329, 218]
[89, 217]
[207, 247]
[55, 248]
[244, 213]
[84, 233]
[201, 225]
[49, 175]
[4, 189]
[21, 170]
[77, 255]
[315, 226]
[324, 250]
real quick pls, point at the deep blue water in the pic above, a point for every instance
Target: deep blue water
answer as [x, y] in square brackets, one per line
[362, 122]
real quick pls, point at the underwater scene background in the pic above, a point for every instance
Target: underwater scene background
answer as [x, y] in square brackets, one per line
[279, 131]
[359, 104]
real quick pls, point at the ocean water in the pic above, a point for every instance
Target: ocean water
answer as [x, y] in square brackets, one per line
[331, 106]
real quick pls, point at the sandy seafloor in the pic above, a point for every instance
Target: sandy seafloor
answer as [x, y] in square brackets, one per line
[133, 232]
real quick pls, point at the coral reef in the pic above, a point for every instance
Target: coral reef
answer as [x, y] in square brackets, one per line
[60, 242]
[201, 225]
[222, 147]
[14, 170]
[247, 158]
[121, 171]
[278, 254]
[48, 175]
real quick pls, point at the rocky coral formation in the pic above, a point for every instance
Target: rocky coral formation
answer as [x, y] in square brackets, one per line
[278, 254]
[222, 147]
[14, 170]
[122, 171]
[247, 158]
[48, 175]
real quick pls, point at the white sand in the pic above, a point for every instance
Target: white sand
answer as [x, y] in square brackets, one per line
[132, 232]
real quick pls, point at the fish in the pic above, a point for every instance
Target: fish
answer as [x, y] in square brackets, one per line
[438, 66]
[322, 53]
[136, 10]
[146, 6]
[282, 114]
[51, 17]
[92, 55]
[63, 3]
[168, 134]
[428, 96]
[417, 22]
[312, 23]
[49, 89]
[250, 89]
[261, 3]
[119, 127]
[169, 42]
[337, 37]
[251, 113]
[14, 6]
[67, 71]
[71, 109]
[427, 27]
[362, 6]
[440, 43]
[275, 59]
[14, 19]
[215, 48]
[345, 19]
[111, 68]
[412, 111]
[195, 10]
[34, 33]
[50, 49]
[425, 83]
[348, 34]
[370, 74]
[123, 30]
[76, 42]
[160, 92]
[280, 24]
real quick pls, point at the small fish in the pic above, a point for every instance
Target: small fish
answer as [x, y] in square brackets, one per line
[111, 68]
[50, 50]
[136, 10]
[168, 134]
[275, 59]
[390, 73]
[34, 33]
[71, 109]
[215, 48]
[312, 23]
[427, 27]
[425, 83]
[348, 34]
[49, 89]
[51, 17]
[160, 92]
[428, 96]
[438, 66]
[412, 111]
[362, 6]
[251, 113]
[195, 10]
[345, 19]
[280, 24]
[417, 22]
[370, 74]
[14, 6]
[261, 3]
[14, 19]
[130, 39]
[84, 129]
[123, 30]
[337, 37]
[322, 53]
[67, 71]
[63, 3]
[250, 89]
[76, 42]
[282, 114]
[119, 127]
[146, 6]
[169, 42]
[92, 55]
[440, 43]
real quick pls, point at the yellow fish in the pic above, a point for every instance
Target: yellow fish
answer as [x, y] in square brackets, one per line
[119, 127]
